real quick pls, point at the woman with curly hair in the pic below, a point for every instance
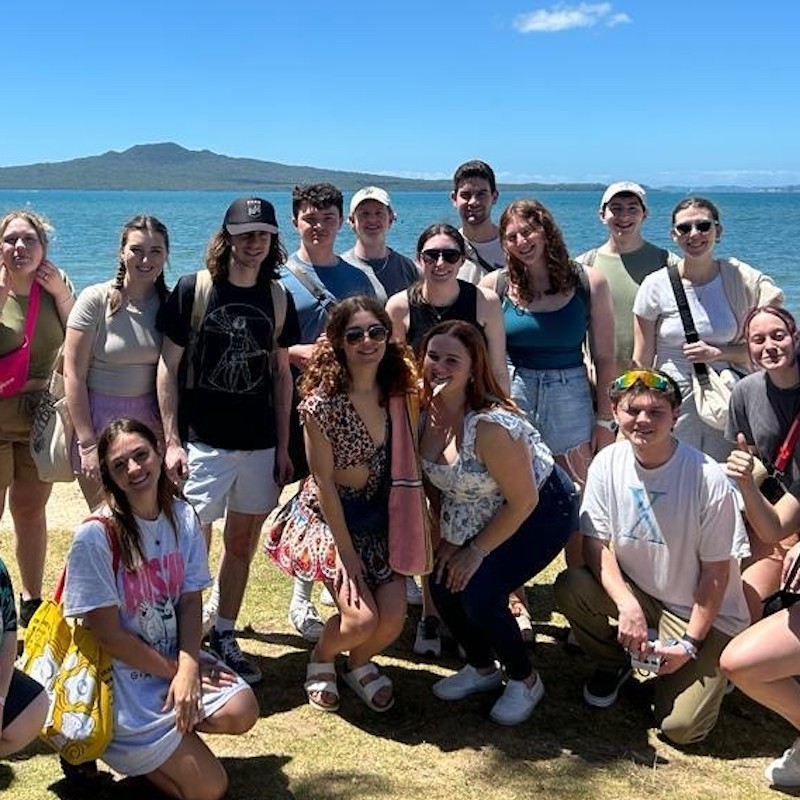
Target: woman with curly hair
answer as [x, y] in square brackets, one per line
[339, 527]
[112, 347]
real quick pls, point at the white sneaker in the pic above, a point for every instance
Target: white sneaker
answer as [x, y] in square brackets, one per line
[326, 598]
[306, 621]
[517, 702]
[465, 682]
[785, 771]
[413, 592]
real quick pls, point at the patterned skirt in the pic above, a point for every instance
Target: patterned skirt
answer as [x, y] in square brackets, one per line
[301, 543]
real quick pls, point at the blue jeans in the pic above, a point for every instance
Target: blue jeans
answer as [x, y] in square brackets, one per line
[479, 616]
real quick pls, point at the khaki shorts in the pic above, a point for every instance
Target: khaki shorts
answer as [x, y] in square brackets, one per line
[16, 416]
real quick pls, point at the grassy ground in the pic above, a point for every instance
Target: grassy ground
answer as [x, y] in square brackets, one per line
[425, 748]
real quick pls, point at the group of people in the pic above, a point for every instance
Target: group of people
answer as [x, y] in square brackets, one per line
[462, 417]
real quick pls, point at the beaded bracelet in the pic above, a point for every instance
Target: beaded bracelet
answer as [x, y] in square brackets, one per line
[478, 549]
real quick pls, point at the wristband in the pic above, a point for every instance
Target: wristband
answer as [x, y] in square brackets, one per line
[2, 699]
[688, 648]
[478, 549]
[609, 424]
[696, 643]
[87, 447]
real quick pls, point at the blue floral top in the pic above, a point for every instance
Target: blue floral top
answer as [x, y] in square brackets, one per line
[470, 496]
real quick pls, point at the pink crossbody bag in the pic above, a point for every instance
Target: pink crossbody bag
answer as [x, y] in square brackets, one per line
[14, 365]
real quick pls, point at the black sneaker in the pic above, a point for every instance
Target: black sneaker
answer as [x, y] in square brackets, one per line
[27, 608]
[84, 776]
[602, 689]
[227, 648]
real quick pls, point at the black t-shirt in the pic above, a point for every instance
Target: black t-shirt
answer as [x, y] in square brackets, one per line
[231, 405]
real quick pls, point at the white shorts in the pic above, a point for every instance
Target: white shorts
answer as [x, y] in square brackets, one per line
[232, 480]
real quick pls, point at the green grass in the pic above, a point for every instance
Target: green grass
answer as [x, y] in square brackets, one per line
[427, 749]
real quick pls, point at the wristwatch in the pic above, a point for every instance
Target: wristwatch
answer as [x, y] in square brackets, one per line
[609, 424]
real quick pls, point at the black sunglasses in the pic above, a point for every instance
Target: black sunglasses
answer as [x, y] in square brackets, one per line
[375, 332]
[701, 226]
[432, 256]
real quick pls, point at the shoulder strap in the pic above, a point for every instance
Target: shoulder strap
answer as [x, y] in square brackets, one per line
[583, 289]
[279, 304]
[32, 313]
[311, 282]
[202, 293]
[501, 283]
[474, 255]
[589, 257]
[701, 370]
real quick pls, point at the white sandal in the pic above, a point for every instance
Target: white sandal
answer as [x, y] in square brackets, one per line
[316, 682]
[367, 691]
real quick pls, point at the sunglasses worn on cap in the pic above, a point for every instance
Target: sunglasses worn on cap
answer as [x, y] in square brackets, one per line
[376, 333]
[652, 380]
[432, 256]
[701, 226]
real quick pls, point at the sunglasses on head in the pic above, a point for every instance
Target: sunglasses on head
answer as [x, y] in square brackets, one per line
[375, 333]
[652, 380]
[432, 256]
[701, 226]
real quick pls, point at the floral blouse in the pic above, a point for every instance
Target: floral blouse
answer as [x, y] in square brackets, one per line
[470, 497]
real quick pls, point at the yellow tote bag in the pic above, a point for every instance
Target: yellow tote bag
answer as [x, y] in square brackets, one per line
[77, 675]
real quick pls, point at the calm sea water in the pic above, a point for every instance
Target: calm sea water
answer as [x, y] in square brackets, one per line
[760, 228]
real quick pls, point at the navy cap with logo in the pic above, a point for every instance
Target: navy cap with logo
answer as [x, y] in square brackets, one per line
[249, 214]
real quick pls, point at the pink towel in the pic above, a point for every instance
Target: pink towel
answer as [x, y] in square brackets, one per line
[410, 551]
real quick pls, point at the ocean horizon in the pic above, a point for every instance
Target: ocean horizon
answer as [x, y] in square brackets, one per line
[758, 227]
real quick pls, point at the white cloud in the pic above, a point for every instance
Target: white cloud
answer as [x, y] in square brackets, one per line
[563, 18]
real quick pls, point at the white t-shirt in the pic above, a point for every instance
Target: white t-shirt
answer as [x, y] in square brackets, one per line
[712, 314]
[663, 523]
[147, 598]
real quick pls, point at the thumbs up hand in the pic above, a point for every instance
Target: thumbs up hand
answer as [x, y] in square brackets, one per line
[739, 466]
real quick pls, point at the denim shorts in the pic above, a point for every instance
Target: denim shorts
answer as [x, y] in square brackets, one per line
[558, 403]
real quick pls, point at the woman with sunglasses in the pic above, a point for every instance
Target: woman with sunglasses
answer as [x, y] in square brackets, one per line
[504, 511]
[764, 414]
[440, 295]
[337, 529]
[112, 347]
[144, 607]
[720, 293]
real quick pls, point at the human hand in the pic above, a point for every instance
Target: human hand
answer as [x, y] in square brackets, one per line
[601, 437]
[700, 352]
[349, 580]
[90, 463]
[444, 552]
[791, 554]
[176, 463]
[739, 465]
[632, 627]
[284, 468]
[461, 566]
[214, 674]
[48, 276]
[183, 695]
[673, 656]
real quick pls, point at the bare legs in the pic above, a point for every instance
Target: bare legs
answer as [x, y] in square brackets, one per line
[364, 630]
[27, 501]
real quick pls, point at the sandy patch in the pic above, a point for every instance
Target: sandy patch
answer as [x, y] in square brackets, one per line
[65, 508]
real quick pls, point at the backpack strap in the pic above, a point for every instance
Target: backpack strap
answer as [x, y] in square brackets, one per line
[279, 304]
[582, 288]
[202, 292]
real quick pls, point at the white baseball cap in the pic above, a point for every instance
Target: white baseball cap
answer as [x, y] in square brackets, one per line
[623, 187]
[370, 193]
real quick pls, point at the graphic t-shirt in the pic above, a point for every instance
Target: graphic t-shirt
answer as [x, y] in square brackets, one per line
[147, 598]
[231, 404]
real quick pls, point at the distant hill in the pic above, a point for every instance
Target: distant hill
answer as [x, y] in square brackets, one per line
[168, 166]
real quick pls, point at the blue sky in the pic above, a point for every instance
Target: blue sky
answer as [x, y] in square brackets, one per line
[660, 91]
